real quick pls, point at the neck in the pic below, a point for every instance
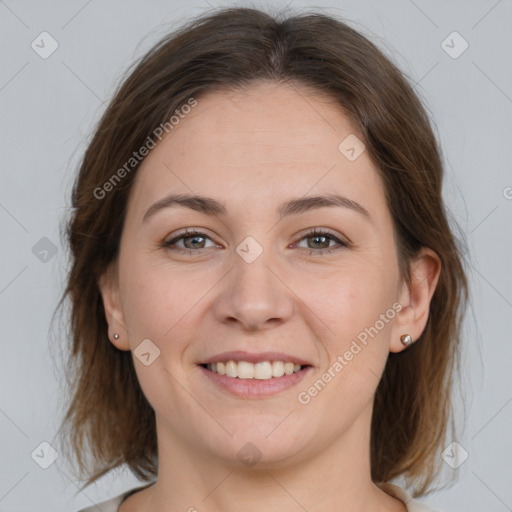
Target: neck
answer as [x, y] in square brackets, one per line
[336, 478]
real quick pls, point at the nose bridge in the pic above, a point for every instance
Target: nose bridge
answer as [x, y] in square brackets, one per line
[253, 294]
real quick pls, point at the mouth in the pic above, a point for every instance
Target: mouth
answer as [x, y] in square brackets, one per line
[263, 370]
[253, 380]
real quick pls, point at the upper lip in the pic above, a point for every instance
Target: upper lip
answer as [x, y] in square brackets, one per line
[240, 355]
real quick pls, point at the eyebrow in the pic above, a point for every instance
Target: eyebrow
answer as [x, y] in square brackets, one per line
[294, 206]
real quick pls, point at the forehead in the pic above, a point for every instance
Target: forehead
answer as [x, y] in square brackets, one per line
[257, 145]
[288, 121]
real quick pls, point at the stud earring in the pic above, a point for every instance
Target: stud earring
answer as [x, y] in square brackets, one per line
[116, 336]
[406, 339]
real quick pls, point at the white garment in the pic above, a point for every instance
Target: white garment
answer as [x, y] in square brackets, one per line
[412, 505]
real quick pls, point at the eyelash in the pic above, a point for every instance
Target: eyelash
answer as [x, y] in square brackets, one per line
[190, 233]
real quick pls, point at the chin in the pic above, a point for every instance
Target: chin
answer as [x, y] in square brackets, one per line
[254, 448]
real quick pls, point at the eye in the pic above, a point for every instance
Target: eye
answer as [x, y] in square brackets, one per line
[321, 240]
[192, 240]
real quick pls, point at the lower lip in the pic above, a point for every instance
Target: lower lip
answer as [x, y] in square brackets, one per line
[255, 388]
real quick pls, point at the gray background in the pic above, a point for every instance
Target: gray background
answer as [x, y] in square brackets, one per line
[48, 110]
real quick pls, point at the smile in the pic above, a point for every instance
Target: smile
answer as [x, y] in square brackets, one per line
[254, 380]
[263, 370]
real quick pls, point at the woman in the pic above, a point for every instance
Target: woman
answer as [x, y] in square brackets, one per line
[266, 294]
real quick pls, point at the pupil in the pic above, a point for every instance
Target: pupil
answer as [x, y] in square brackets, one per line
[319, 237]
[193, 238]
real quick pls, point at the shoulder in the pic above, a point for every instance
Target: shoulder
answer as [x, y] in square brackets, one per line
[411, 504]
[106, 506]
[112, 505]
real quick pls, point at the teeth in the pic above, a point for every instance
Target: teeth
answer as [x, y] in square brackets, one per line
[277, 369]
[247, 370]
[231, 369]
[261, 371]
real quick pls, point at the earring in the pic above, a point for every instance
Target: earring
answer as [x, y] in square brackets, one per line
[116, 336]
[406, 339]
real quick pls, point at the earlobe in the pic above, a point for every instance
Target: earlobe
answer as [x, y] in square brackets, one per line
[109, 289]
[415, 298]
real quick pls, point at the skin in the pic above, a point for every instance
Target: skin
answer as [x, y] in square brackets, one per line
[253, 150]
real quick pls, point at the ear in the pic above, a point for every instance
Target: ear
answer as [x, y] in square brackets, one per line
[109, 289]
[415, 297]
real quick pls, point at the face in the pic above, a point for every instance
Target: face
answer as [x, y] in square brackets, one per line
[255, 278]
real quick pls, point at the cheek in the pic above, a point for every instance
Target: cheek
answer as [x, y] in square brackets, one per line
[351, 299]
[355, 317]
[154, 302]
[355, 313]
[155, 307]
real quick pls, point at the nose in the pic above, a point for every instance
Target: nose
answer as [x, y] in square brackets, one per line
[254, 295]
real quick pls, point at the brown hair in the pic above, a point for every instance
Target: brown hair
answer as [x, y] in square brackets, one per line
[108, 417]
